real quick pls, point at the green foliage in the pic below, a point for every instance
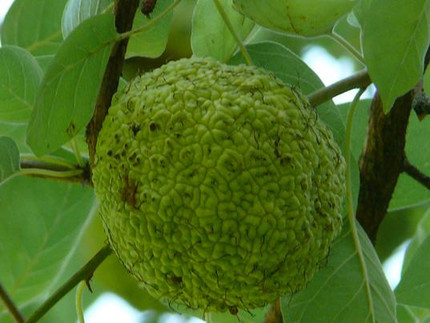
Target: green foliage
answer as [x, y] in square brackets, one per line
[9, 158]
[396, 35]
[153, 41]
[52, 61]
[210, 36]
[21, 76]
[345, 289]
[42, 223]
[34, 25]
[76, 72]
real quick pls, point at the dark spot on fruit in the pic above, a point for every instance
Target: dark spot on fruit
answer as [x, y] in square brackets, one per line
[135, 128]
[276, 149]
[176, 280]
[128, 194]
[153, 126]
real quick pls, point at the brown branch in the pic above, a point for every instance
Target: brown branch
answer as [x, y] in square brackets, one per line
[274, 315]
[382, 159]
[85, 273]
[124, 15]
[415, 173]
[10, 305]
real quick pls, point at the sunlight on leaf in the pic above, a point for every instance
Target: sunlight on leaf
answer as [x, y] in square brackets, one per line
[414, 287]
[337, 293]
[9, 158]
[34, 25]
[396, 34]
[77, 11]
[20, 76]
[41, 225]
[210, 36]
[69, 89]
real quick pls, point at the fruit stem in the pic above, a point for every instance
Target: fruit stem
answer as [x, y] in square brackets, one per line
[345, 44]
[85, 274]
[79, 293]
[358, 80]
[230, 27]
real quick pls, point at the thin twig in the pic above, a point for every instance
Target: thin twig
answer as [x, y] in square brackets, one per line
[85, 273]
[14, 311]
[358, 80]
[416, 174]
[53, 171]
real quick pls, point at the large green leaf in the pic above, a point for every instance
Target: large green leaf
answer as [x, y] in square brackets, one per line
[342, 291]
[210, 35]
[34, 25]
[77, 11]
[68, 93]
[413, 288]
[9, 158]
[41, 223]
[395, 34]
[151, 42]
[20, 76]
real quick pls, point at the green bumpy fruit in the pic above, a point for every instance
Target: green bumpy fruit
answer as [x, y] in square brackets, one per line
[219, 186]
[298, 17]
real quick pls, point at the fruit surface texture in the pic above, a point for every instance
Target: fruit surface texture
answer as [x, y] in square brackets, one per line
[219, 186]
[299, 17]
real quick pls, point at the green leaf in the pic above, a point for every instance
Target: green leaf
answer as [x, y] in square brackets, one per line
[210, 35]
[293, 71]
[77, 11]
[395, 34]
[20, 76]
[398, 227]
[34, 25]
[151, 42]
[422, 232]
[41, 225]
[409, 192]
[413, 288]
[17, 133]
[339, 293]
[9, 158]
[69, 89]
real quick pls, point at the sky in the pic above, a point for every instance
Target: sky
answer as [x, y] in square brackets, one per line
[111, 309]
